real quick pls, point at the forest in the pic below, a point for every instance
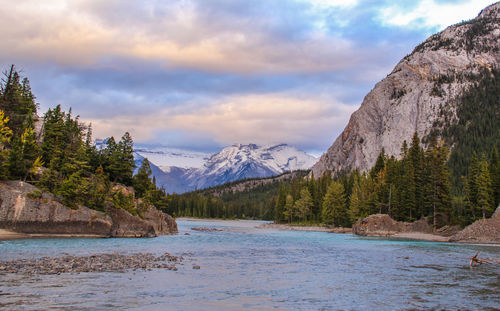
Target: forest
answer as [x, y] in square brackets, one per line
[454, 188]
[56, 154]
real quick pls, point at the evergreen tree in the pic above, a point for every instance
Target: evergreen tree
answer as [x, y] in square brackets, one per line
[472, 186]
[334, 209]
[280, 204]
[495, 176]
[438, 187]
[416, 159]
[304, 204]
[289, 209]
[142, 182]
[16, 100]
[379, 164]
[485, 197]
[355, 204]
[24, 156]
[5, 136]
[53, 143]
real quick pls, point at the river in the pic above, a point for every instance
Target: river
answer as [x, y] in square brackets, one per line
[247, 268]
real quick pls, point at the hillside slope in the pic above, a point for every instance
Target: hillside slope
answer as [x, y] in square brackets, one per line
[420, 94]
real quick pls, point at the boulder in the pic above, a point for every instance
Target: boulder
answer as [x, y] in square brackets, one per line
[481, 231]
[382, 225]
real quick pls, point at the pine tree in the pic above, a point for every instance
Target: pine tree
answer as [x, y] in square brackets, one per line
[472, 186]
[280, 204]
[289, 209]
[438, 187]
[304, 204]
[5, 136]
[334, 210]
[495, 176]
[379, 164]
[485, 197]
[141, 181]
[16, 100]
[53, 143]
[355, 204]
[416, 158]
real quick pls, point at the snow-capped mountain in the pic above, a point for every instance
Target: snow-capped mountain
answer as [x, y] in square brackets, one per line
[180, 171]
[248, 161]
[166, 157]
[172, 181]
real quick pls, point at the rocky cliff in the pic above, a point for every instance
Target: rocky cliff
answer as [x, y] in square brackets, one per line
[415, 94]
[24, 208]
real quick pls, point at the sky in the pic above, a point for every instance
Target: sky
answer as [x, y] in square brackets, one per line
[204, 74]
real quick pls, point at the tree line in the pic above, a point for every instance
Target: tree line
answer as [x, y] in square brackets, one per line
[413, 187]
[57, 154]
[456, 188]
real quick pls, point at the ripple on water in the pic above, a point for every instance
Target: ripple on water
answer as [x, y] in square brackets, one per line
[247, 268]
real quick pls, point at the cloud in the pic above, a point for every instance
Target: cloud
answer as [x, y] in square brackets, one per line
[431, 13]
[261, 119]
[212, 72]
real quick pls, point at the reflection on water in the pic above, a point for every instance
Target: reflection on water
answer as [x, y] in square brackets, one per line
[243, 267]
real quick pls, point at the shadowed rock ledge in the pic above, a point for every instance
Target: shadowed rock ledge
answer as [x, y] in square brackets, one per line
[21, 211]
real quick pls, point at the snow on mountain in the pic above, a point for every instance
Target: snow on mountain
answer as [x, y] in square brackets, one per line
[172, 181]
[166, 157]
[180, 171]
[249, 161]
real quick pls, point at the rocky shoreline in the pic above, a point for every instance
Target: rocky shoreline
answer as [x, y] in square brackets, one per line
[92, 263]
[485, 231]
[304, 228]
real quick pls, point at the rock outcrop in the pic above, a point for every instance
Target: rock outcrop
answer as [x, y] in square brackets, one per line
[412, 97]
[382, 225]
[26, 209]
[481, 231]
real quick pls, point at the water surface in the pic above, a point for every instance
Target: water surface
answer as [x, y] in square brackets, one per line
[243, 267]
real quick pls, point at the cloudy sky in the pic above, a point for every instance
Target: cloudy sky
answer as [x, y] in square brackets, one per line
[202, 74]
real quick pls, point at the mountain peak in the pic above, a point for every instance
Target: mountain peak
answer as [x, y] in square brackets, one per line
[416, 94]
[491, 11]
[232, 163]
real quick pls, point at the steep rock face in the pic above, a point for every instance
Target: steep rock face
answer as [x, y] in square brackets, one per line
[21, 213]
[412, 97]
[24, 208]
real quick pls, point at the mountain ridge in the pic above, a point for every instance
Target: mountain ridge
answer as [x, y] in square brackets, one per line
[236, 162]
[412, 97]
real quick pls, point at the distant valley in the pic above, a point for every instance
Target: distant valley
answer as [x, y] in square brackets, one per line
[180, 171]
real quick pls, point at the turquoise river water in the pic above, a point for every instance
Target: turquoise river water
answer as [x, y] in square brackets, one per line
[248, 268]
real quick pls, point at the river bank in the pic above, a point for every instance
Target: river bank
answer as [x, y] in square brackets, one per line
[304, 228]
[11, 235]
[6, 234]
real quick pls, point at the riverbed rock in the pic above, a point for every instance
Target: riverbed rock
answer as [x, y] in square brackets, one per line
[481, 231]
[26, 209]
[382, 225]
